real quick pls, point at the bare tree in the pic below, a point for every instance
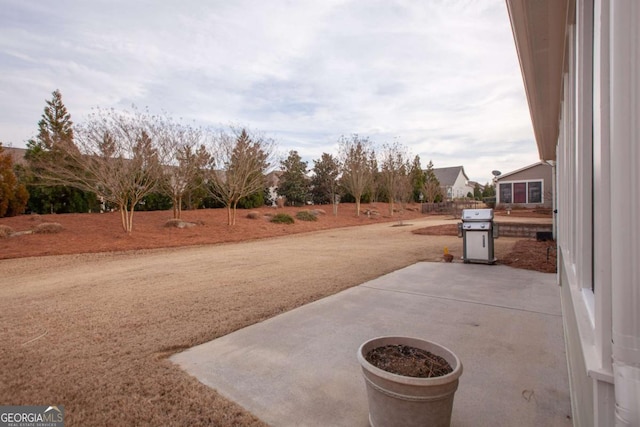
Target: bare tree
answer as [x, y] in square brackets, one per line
[355, 156]
[394, 169]
[116, 155]
[240, 164]
[187, 157]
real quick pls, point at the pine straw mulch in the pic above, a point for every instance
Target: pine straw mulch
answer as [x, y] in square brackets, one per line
[408, 361]
[530, 254]
[102, 232]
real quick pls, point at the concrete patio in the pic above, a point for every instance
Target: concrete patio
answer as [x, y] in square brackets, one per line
[300, 368]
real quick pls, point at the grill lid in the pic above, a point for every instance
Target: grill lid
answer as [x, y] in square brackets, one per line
[477, 215]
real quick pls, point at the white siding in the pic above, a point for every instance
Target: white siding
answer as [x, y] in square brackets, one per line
[599, 198]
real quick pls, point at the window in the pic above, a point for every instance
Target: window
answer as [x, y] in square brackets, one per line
[505, 193]
[535, 192]
[521, 192]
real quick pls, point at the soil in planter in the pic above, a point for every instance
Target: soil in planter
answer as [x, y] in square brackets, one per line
[408, 361]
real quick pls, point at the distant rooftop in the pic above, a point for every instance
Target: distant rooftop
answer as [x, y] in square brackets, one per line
[448, 176]
[16, 153]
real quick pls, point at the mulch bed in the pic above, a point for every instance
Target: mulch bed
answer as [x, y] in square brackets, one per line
[528, 254]
[102, 232]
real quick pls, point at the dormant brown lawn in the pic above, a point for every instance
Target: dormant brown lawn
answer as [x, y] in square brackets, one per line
[92, 331]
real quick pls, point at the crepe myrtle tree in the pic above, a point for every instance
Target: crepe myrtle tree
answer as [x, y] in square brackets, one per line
[394, 173]
[356, 153]
[187, 157]
[118, 155]
[240, 162]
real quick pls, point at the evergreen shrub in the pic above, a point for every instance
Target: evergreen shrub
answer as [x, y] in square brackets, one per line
[306, 216]
[282, 218]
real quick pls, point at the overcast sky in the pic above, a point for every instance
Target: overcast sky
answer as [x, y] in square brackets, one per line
[440, 76]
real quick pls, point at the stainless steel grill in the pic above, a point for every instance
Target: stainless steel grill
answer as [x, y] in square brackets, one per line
[478, 231]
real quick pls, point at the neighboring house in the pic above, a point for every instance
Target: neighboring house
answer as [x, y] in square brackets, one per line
[580, 60]
[272, 180]
[530, 186]
[454, 182]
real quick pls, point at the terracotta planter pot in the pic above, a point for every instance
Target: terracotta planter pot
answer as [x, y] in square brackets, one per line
[397, 400]
[447, 257]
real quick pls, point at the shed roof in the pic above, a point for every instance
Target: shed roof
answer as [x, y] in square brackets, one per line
[521, 169]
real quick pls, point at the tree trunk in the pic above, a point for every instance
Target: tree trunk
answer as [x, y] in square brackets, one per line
[235, 206]
[126, 215]
[123, 217]
[229, 214]
[390, 206]
[130, 221]
[174, 201]
[358, 206]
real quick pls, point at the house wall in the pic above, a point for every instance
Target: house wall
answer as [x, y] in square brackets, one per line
[582, 400]
[598, 187]
[541, 172]
[460, 187]
[598, 201]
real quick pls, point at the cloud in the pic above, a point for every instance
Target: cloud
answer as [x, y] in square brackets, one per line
[441, 76]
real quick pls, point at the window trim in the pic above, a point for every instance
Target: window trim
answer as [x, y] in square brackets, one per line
[521, 181]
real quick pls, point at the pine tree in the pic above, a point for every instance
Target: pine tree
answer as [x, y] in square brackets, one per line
[55, 133]
[324, 184]
[294, 184]
[489, 190]
[55, 127]
[417, 179]
[432, 190]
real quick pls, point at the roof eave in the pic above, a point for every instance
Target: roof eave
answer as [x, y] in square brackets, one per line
[539, 30]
